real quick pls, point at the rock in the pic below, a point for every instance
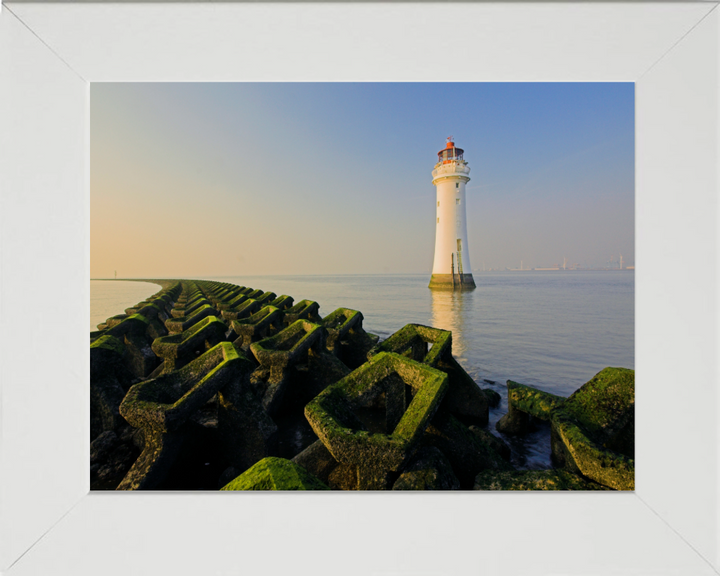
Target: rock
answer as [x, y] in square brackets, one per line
[108, 377]
[247, 433]
[278, 353]
[317, 460]
[275, 474]
[114, 469]
[411, 393]
[464, 399]
[605, 408]
[179, 349]
[514, 422]
[102, 446]
[428, 470]
[493, 441]
[467, 454]
[492, 397]
[343, 477]
[533, 480]
[227, 476]
[525, 403]
[346, 338]
[592, 432]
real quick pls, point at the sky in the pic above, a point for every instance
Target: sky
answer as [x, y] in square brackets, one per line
[230, 179]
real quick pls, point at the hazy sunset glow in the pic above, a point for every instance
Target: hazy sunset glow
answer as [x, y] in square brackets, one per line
[192, 180]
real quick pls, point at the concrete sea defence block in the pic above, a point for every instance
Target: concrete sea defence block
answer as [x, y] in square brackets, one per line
[275, 474]
[266, 322]
[303, 310]
[164, 403]
[468, 454]
[179, 324]
[282, 302]
[412, 392]
[525, 402]
[246, 308]
[347, 339]
[429, 469]
[179, 349]
[163, 407]
[534, 480]
[277, 353]
[433, 346]
[592, 431]
[317, 460]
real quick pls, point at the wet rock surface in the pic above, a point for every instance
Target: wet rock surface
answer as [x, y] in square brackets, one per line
[592, 431]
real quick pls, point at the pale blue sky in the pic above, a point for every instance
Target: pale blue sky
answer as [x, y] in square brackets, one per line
[276, 178]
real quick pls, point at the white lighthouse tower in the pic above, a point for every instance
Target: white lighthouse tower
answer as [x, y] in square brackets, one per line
[451, 267]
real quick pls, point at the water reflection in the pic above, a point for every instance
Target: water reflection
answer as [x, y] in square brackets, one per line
[449, 312]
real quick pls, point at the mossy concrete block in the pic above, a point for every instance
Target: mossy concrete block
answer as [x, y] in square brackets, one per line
[178, 349]
[412, 392]
[163, 404]
[247, 433]
[467, 453]
[231, 303]
[433, 346]
[182, 323]
[524, 404]
[346, 337]
[276, 474]
[277, 353]
[514, 422]
[493, 441]
[412, 341]
[605, 408]
[245, 309]
[492, 397]
[317, 460]
[573, 448]
[266, 298]
[260, 325]
[155, 461]
[338, 324]
[255, 294]
[115, 320]
[533, 480]
[303, 310]
[282, 302]
[108, 379]
[428, 470]
[532, 401]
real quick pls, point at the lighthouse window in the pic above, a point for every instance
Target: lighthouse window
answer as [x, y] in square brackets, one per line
[457, 200]
[438, 221]
[457, 184]
[438, 202]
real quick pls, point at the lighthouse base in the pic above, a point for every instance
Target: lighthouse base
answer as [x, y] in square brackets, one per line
[452, 282]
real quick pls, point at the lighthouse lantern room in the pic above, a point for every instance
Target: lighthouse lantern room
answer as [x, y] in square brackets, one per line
[451, 266]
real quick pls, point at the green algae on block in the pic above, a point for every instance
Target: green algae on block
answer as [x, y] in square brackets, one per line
[165, 403]
[533, 480]
[605, 404]
[413, 393]
[532, 401]
[275, 474]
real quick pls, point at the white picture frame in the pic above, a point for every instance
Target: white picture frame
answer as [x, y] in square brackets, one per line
[51, 524]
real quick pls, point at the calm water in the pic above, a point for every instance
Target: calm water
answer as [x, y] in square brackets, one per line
[553, 330]
[110, 298]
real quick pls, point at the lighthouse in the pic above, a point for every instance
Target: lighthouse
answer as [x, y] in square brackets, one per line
[451, 266]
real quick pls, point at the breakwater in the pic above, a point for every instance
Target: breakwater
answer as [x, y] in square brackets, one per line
[209, 385]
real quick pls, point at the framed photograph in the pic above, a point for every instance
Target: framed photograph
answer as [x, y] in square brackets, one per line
[56, 56]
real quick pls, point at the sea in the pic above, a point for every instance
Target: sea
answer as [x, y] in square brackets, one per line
[550, 329]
